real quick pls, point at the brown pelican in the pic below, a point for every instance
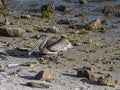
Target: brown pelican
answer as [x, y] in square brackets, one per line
[52, 46]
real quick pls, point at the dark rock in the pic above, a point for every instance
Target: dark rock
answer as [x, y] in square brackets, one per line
[86, 72]
[11, 31]
[45, 75]
[63, 8]
[107, 80]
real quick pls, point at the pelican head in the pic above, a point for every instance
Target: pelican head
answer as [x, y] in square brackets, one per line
[40, 44]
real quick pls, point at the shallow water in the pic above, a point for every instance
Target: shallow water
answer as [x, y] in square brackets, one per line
[92, 10]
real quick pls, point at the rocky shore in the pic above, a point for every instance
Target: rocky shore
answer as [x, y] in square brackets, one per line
[91, 26]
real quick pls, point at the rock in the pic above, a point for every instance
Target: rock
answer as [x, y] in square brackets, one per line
[47, 10]
[86, 72]
[82, 1]
[45, 75]
[3, 4]
[11, 31]
[94, 25]
[72, 26]
[63, 8]
[47, 14]
[53, 29]
[26, 16]
[117, 14]
[117, 8]
[39, 85]
[48, 7]
[107, 80]
[108, 9]
[7, 22]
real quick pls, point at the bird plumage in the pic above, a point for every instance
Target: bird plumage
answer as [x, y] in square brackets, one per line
[52, 46]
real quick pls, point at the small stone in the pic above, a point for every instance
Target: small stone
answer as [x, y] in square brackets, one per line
[7, 22]
[53, 29]
[11, 31]
[94, 25]
[86, 72]
[108, 9]
[26, 16]
[45, 75]
[63, 8]
[107, 80]
[82, 1]
[39, 85]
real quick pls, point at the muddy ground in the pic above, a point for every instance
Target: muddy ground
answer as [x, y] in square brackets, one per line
[98, 50]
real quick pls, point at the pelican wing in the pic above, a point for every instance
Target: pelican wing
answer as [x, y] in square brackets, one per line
[60, 45]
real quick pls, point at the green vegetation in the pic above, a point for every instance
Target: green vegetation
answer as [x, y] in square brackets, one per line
[47, 14]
